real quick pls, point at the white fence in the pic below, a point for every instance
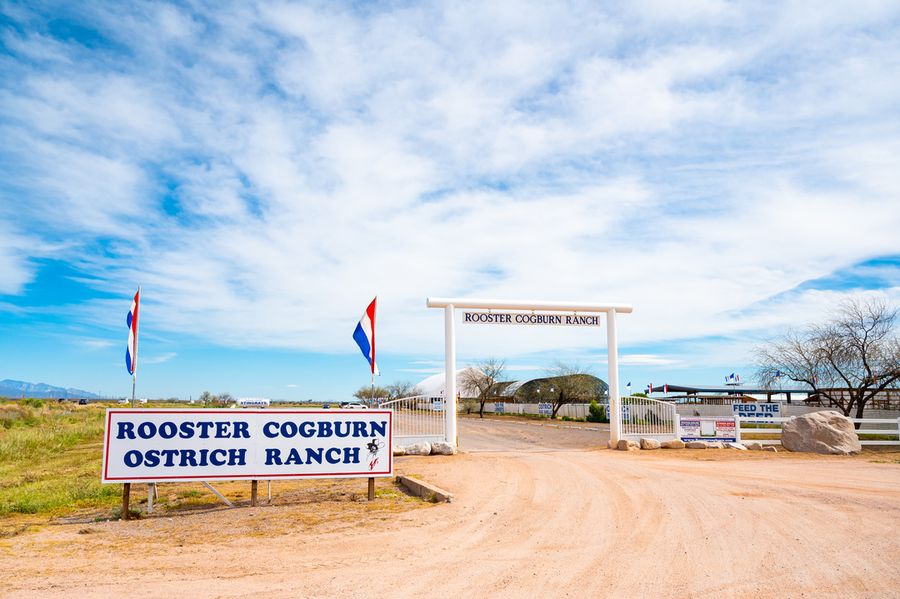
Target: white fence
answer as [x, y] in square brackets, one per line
[570, 410]
[645, 417]
[691, 410]
[417, 418]
[868, 426]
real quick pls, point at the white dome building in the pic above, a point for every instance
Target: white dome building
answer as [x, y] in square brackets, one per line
[433, 386]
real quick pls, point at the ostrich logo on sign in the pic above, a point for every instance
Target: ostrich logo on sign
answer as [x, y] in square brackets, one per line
[374, 446]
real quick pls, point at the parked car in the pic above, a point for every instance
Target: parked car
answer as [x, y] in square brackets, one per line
[353, 405]
[83, 401]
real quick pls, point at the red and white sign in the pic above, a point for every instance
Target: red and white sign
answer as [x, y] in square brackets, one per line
[708, 429]
[195, 445]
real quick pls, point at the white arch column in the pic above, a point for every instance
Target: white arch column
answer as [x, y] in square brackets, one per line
[450, 408]
[612, 368]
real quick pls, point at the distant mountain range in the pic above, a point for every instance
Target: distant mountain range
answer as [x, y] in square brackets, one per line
[18, 389]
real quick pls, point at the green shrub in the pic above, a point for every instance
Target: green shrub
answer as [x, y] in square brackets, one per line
[570, 419]
[596, 412]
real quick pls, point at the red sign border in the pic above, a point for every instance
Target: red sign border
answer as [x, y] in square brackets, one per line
[365, 474]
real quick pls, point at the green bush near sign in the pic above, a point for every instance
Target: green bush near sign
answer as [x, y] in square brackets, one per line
[597, 413]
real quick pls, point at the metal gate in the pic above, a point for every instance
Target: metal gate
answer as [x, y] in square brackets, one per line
[418, 418]
[645, 417]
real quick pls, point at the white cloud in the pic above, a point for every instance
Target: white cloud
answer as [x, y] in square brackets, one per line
[646, 360]
[96, 344]
[158, 359]
[524, 368]
[266, 170]
[14, 269]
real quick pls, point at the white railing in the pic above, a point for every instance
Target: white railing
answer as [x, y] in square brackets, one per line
[889, 427]
[645, 417]
[417, 418]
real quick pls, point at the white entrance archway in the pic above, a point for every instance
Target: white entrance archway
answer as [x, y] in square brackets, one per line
[450, 304]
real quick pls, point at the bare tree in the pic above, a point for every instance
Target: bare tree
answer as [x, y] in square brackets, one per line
[368, 392]
[402, 389]
[482, 379]
[848, 360]
[571, 383]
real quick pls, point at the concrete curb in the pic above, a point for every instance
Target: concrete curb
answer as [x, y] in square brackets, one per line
[424, 490]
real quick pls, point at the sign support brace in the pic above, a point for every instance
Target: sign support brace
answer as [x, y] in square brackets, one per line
[219, 495]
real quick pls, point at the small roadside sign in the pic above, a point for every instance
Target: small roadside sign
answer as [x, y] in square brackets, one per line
[709, 429]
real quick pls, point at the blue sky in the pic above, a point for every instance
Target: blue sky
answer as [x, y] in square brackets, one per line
[262, 169]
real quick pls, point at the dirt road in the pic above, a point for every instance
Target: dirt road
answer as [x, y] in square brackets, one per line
[539, 512]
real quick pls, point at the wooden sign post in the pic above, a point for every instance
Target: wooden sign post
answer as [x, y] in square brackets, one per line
[126, 499]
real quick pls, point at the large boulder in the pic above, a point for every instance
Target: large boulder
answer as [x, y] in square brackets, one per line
[627, 445]
[696, 445]
[418, 449]
[754, 446]
[672, 444]
[647, 443]
[442, 448]
[820, 432]
[399, 450]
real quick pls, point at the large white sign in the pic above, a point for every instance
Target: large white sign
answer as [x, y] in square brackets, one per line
[185, 445]
[574, 320]
[756, 410]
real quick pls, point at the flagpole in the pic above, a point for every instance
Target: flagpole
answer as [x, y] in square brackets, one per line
[375, 299]
[133, 384]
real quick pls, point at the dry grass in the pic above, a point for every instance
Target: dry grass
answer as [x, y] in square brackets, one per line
[50, 457]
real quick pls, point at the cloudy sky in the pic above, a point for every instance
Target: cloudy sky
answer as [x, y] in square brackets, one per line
[264, 169]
